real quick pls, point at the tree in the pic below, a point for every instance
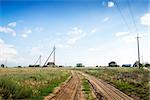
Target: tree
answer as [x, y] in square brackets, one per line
[2, 65]
[147, 65]
[112, 64]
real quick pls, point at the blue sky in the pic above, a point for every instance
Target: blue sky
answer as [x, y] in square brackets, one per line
[92, 32]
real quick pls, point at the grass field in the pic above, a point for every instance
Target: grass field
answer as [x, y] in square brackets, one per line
[30, 83]
[132, 81]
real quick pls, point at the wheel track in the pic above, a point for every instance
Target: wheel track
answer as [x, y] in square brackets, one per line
[104, 91]
[70, 91]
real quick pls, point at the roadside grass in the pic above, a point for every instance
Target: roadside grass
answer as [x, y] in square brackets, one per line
[132, 81]
[30, 83]
[87, 89]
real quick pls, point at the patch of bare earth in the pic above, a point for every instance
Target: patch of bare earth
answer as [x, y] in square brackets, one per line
[71, 90]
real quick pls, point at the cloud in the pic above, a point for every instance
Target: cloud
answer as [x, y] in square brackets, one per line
[62, 45]
[94, 30]
[106, 19]
[75, 35]
[26, 33]
[110, 4]
[93, 49]
[12, 24]
[75, 31]
[73, 40]
[145, 20]
[7, 50]
[39, 29]
[7, 30]
[118, 34]
[131, 38]
[1, 41]
[35, 51]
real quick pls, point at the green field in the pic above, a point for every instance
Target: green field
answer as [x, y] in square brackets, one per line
[132, 81]
[30, 83]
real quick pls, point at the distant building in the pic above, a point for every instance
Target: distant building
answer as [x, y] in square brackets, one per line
[126, 65]
[79, 65]
[50, 64]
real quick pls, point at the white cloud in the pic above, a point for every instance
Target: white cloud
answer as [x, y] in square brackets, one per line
[129, 38]
[35, 51]
[12, 24]
[75, 31]
[73, 40]
[145, 20]
[7, 50]
[106, 19]
[110, 4]
[70, 38]
[132, 37]
[62, 45]
[75, 35]
[39, 29]
[26, 33]
[1, 41]
[118, 34]
[94, 30]
[93, 49]
[7, 30]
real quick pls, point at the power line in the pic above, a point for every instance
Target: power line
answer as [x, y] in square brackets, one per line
[123, 18]
[132, 16]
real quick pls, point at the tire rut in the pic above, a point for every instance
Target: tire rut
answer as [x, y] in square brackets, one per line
[104, 91]
[70, 91]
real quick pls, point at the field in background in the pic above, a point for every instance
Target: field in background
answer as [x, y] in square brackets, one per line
[132, 81]
[32, 83]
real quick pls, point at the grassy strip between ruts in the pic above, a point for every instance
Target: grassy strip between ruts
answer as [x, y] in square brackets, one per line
[31, 83]
[86, 88]
[132, 81]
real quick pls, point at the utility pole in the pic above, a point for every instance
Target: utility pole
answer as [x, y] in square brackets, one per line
[40, 61]
[54, 54]
[138, 47]
[6, 62]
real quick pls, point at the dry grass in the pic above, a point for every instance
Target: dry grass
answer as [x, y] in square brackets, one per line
[21, 83]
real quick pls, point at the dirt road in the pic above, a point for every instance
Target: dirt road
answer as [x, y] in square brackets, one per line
[104, 91]
[70, 91]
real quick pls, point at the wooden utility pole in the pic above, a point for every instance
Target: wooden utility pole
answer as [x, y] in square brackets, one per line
[53, 51]
[40, 61]
[138, 48]
[54, 54]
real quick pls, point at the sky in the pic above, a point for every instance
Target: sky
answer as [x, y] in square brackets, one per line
[92, 32]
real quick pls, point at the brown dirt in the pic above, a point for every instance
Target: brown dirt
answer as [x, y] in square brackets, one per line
[104, 91]
[69, 91]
